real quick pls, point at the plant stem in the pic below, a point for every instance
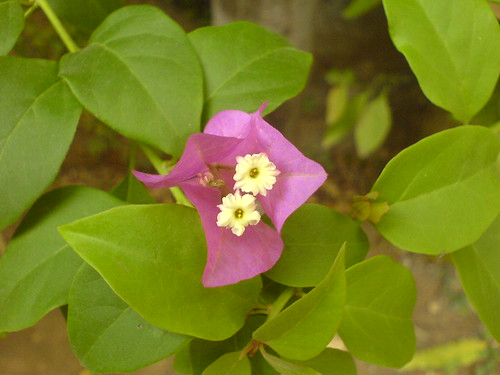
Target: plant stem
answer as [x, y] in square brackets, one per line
[132, 155]
[161, 168]
[280, 302]
[180, 197]
[157, 162]
[56, 23]
[31, 10]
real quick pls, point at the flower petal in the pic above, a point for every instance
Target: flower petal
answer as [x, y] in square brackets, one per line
[200, 150]
[230, 123]
[299, 176]
[232, 258]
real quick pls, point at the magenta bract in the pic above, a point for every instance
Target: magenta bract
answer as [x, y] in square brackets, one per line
[205, 172]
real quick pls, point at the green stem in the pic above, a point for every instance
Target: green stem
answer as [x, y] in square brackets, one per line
[56, 23]
[264, 311]
[280, 302]
[161, 168]
[180, 197]
[157, 162]
[31, 10]
[132, 155]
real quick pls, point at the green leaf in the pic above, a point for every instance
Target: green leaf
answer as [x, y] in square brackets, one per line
[85, 14]
[38, 121]
[107, 335]
[131, 190]
[450, 356]
[153, 257]
[229, 364]
[453, 47]
[205, 352]
[245, 65]
[12, 21]
[304, 329]
[377, 324]
[358, 8]
[287, 368]
[332, 362]
[38, 267]
[373, 126]
[338, 129]
[141, 76]
[443, 191]
[489, 115]
[313, 236]
[182, 362]
[260, 366]
[479, 269]
[337, 101]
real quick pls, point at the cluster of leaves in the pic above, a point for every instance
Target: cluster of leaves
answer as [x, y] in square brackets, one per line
[131, 272]
[369, 114]
[367, 111]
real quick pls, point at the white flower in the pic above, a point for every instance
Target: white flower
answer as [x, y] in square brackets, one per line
[255, 174]
[237, 212]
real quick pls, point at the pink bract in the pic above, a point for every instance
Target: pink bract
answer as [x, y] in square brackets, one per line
[227, 135]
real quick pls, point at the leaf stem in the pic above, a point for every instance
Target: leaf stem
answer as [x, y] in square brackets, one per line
[58, 26]
[280, 302]
[157, 162]
[31, 9]
[132, 155]
[161, 168]
[180, 197]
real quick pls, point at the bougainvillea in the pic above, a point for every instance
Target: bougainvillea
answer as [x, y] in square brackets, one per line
[238, 166]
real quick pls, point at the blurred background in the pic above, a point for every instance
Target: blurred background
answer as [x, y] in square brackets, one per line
[362, 106]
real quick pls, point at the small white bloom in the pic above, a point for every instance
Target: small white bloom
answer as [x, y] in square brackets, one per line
[237, 212]
[255, 174]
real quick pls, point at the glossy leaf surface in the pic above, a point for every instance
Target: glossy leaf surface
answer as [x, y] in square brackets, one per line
[204, 352]
[229, 364]
[313, 236]
[38, 267]
[453, 47]
[261, 366]
[479, 269]
[287, 368]
[305, 328]
[39, 118]
[332, 362]
[153, 257]
[182, 361]
[377, 324]
[245, 65]
[12, 21]
[107, 335]
[443, 191]
[141, 76]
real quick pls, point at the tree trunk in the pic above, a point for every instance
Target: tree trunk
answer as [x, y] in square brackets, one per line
[291, 18]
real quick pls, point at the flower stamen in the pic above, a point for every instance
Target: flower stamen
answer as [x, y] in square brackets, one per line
[254, 173]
